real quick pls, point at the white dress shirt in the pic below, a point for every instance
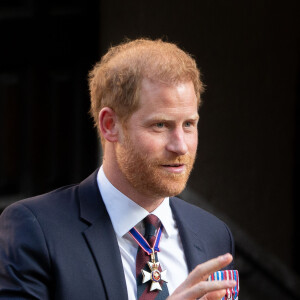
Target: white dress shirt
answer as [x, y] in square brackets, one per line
[125, 214]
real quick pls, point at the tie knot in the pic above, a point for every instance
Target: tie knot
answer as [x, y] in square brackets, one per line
[152, 223]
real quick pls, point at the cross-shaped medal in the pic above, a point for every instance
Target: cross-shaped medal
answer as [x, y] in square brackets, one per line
[155, 276]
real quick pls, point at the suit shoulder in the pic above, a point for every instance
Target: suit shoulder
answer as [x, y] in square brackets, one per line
[46, 203]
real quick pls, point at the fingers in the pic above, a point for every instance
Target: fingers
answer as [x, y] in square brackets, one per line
[197, 286]
[204, 290]
[216, 295]
[202, 271]
[209, 290]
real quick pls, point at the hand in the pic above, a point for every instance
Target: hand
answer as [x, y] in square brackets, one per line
[196, 285]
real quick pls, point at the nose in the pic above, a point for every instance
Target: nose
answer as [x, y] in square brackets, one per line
[177, 143]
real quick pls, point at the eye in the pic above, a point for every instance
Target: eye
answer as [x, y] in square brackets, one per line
[160, 125]
[188, 124]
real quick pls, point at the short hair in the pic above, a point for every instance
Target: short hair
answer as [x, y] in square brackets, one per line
[115, 81]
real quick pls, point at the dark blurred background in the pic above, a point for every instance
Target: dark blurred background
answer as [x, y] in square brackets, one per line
[247, 170]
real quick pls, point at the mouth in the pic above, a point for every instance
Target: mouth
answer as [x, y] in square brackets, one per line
[175, 168]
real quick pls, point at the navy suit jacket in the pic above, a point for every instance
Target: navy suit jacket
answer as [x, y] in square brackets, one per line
[61, 245]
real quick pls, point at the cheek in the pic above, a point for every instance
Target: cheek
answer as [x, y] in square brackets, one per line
[193, 143]
[150, 144]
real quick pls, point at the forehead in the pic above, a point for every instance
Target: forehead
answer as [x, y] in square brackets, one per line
[155, 93]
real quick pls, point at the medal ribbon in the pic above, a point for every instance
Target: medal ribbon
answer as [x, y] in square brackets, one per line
[232, 293]
[142, 241]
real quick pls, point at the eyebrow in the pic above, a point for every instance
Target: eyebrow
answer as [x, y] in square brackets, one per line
[163, 117]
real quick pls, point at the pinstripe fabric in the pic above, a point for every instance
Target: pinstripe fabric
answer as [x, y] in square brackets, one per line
[151, 223]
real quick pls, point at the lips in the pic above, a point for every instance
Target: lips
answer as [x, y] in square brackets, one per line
[175, 168]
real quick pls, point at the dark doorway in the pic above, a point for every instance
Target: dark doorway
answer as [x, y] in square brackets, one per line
[47, 137]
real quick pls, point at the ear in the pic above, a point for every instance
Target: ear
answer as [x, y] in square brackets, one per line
[108, 124]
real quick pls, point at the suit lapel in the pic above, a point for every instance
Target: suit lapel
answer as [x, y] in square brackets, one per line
[101, 239]
[193, 247]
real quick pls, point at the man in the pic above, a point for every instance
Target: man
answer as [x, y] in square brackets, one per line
[87, 241]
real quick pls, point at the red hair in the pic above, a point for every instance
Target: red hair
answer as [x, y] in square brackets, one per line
[115, 81]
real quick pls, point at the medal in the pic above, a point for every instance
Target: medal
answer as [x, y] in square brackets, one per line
[155, 276]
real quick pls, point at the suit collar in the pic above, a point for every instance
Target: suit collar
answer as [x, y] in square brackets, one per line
[90, 201]
[193, 247]
[101, 238]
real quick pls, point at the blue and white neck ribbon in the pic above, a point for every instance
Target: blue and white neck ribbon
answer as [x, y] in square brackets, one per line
[156, 275]
[142, 242]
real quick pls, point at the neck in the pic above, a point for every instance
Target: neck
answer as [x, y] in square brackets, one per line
[113, 174]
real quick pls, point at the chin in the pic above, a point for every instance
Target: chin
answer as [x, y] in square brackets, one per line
[169, 190]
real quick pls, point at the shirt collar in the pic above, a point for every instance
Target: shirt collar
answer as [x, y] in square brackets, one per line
[125, 213]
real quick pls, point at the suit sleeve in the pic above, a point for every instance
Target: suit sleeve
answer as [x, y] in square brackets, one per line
[24, 256]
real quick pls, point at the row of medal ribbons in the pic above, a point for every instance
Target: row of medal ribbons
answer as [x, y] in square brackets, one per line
[232, 293]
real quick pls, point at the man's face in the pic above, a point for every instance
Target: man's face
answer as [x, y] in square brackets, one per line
[158, 146]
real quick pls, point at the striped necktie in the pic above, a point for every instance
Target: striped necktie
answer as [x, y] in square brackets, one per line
[152, 223]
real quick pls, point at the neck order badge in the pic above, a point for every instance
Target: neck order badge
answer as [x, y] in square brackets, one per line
[155, 276]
